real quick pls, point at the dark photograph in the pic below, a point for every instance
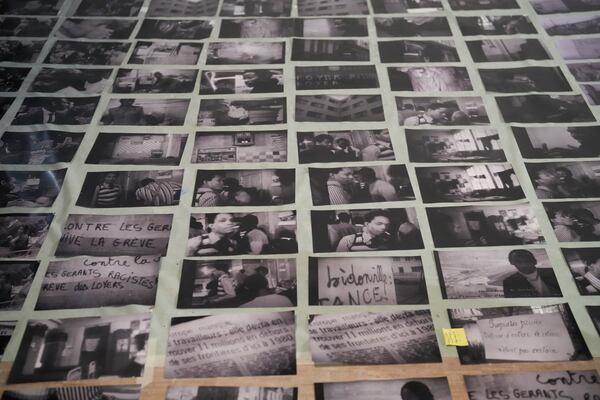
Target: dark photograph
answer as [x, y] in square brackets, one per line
[469, 183]
[249, 344]
[244, 187]
[20, 51]
[345, 146]
[26, 27]
[241, 81]
[503, 50]
[154, 81]
[331, 7]
[468, 5]
[104, 8]
[70, 81]
[401, 337]
[412, 26]
[145, 112]
[231, 393]
[224, 234]
[244, 283]
[416, 111]
[594, 313]
[563, 180]
[137, 149]
[12, 78]
[30, 189]
[397, 389]
[86, 28]
[558, 141]
[352, 185]
[30, 7]
[189, 29]
[429, 79]
[7, 329]
[121, 392]
[330, 27]
[519, 334]
[564, 6]
[591, 93]
[474, 226]
[365, 230]
[578, 49]
[449, 145]
[256, 8]
[87, 53]
[261, 111]
[114, 235]
[418, 51]
[544, 108]
[16, 278]
[585, 72]
[183, 8]
[56, 110]
[242, 28]
[571, 24]
[330, 50]
[575, 221]
[406, 6]
[240, 147]
[171, 53]
[495, 25]
[584, 264]
[366, 281]
[98, 347]
[131, 189]
[5, 103]
[336, 77]
[37, 148]
[22, 235]
[496, 274]
[339, 108]
[90, 282]
[223, 53]
[524, 79]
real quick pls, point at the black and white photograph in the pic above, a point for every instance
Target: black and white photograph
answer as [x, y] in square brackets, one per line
[101, 28]
[571, 24]
[495, 25]
[563, 6]
[574, 221]
[243, 283]
[336, 77]
[145, 112]
[366, 281]
[22, 235]
[112, 189]
[56, 110]
[591, 91]
[137, 149]
[594, 313]
[241, 28]
[5, 103]
[468, 5]
[174, 29]
[331, 7]
[98, 347]
[519, 334]
[114, 235]
[474, 226]
[584, 264]
[429, 79]
[504, 50]
[113, 8]
[7, 328]
[578, 49]
[248, 344]
[416, 111]
[30, 7]
[524, 79]
[345, 146]
[330, 27]
[231, 393]
[224, 53]
[224, 234]
[412, 26]
[241, 81]
[172, 53]
[108, 281]
[70, 81]
[585, 72]
[469, 183]
[30, 189]
[26, 26]
[330, 50]
[256, 8]
[364, 184]
[244, 187]
[454, 145]
[39, 148]
[154, 81]
[406, 6]
[11, 78]
[418, 51]
[397, 389]
[240, 147]
[544, 108]
[496, 274]
[184, 8]
[87, 53]
[20, 51]
[120, 392]
[16, 278]
[353, 230]
[401, 337]
[339, 108]
[256, 111]
[563, 180]
[558, 141]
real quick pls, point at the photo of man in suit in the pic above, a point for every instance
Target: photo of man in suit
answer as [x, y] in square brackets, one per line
[529, 281]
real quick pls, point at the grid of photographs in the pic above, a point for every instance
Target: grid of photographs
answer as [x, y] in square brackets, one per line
[252, 188]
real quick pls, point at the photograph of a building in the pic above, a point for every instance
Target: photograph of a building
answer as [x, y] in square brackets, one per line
[326, 108]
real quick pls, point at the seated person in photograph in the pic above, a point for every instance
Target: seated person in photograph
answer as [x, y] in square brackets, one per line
[344, 151]
[210, 185]
[218, 240]
[415, 390]
[223, 285]
[374, 235]
[161, 193]
[340, 227]
[340, 186]
[589, 280]
[529, 281]
[379, 190]
[434, 115]
[251, 239]
[125, 114]
[166, 84]
[108, 192]
[322, 151]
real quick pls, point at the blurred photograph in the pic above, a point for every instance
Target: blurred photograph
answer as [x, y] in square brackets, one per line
[240, 146]
[558, 141]
[560, 180]
[154, 81]
[591, 91]
[563, 6]
[417, 51]
[30, 7]
[524, 79]
[175, 29]
[145, 112]
[11, 79]
[584, 264]
[333, 108]
[16, 278]
[256, 8]
[241, 81]
[22, 235]
[336, 77]
[429, 79]
[87, 53]
[56, 110]
[571, 24]
[114, 8]
[495, 25]
[122, 392]
[86, 28]
[70, 81]
[172, 53]
[257, 111]
[544, 108]
[7, 329]
[231, 393]
[501, 50]
[20, 51]
[330, 50]
[184, 8]
[26, 27]
[406, 6]
[345, 146]
[332, 7]
[585, 72]
[578, 49]
[412, 26]
[468, 5]
[416, 111]
[30, 189]
[39, 147]
[224, 53]
[574, 221]
[239, 28]
[397, 389]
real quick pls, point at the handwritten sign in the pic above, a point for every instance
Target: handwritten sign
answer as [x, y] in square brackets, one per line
[531, 337]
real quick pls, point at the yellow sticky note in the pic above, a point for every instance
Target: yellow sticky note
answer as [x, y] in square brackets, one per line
[455, 337]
